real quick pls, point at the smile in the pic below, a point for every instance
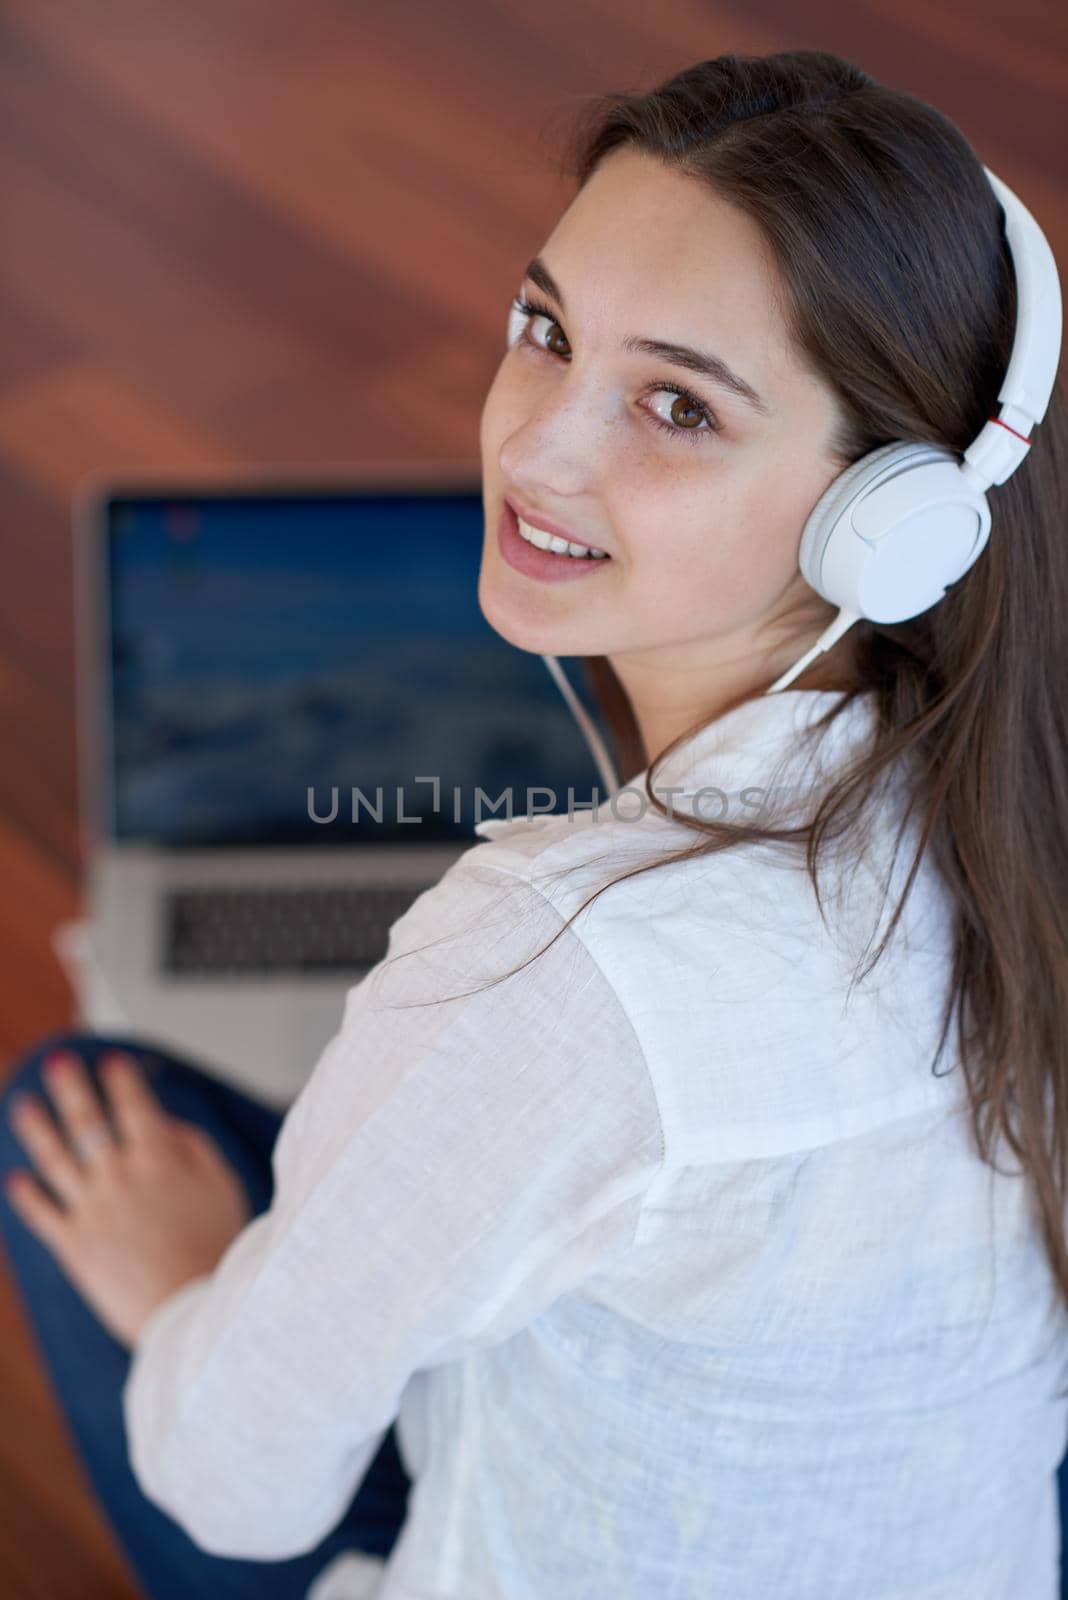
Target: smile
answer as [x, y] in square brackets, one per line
[546, 556]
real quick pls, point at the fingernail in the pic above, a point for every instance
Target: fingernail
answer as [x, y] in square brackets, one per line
[59, 1061]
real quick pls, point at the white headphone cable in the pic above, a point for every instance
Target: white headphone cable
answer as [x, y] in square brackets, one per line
[842, 622]
[593, 738]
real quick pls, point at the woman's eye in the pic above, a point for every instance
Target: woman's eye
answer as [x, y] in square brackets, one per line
[683, 401]
[532, 314]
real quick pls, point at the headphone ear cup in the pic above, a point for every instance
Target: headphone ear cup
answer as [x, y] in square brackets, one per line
[832, 504]
[892, 531]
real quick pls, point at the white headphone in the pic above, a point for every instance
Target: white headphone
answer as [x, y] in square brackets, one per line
[891, 533]
[886, 539]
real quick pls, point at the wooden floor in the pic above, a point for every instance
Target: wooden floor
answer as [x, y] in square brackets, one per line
[243, 232]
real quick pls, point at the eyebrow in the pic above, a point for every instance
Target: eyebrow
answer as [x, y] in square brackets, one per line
[679, 355]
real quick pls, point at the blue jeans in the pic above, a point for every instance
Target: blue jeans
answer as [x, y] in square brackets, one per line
[88, 1366]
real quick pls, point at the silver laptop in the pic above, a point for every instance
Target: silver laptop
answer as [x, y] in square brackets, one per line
[291, 717]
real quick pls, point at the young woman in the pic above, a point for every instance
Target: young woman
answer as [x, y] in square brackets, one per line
[678, 1236]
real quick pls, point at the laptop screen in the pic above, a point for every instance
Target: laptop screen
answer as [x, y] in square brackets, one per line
[301, 668]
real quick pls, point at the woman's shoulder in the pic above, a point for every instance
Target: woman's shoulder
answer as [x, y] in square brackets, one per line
[565, 857]
[499, 902]
[745, 989]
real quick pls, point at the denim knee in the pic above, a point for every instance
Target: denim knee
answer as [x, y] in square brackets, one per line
[24, 1076]
[243, 1130]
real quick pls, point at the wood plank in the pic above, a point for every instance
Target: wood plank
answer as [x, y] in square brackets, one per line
[332, 171]
[975, 87]
[40, 892]
[60, 427]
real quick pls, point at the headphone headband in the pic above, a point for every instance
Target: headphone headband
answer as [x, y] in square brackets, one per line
[1028, 384]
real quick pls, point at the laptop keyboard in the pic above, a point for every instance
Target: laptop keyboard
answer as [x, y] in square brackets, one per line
[319, 928]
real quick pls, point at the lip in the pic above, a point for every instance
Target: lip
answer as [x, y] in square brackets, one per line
[544, 565]
[546, 525]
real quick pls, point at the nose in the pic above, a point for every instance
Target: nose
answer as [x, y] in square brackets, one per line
[561, 447]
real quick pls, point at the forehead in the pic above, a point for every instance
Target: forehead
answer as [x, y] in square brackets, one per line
[646, 249]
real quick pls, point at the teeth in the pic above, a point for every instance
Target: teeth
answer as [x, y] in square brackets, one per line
[549, 541]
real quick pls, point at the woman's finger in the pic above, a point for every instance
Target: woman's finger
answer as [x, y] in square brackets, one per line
[134, 1106]
[79, 1107]
[40, 1214]
[49, 1152]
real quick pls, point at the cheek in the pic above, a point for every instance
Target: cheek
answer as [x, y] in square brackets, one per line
[731, 545]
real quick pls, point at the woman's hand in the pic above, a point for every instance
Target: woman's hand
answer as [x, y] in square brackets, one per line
[139, 1215]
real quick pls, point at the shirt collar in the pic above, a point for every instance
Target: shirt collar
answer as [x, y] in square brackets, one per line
[766, 752]
[752, 763]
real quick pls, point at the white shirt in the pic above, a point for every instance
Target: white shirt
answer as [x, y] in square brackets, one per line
[670, 1255]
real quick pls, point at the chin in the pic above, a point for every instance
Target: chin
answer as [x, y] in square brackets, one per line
[539, 635]
[524, 634]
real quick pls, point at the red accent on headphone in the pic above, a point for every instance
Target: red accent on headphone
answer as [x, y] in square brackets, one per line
[1015, 435]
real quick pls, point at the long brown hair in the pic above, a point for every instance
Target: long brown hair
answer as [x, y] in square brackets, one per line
[900, 291]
